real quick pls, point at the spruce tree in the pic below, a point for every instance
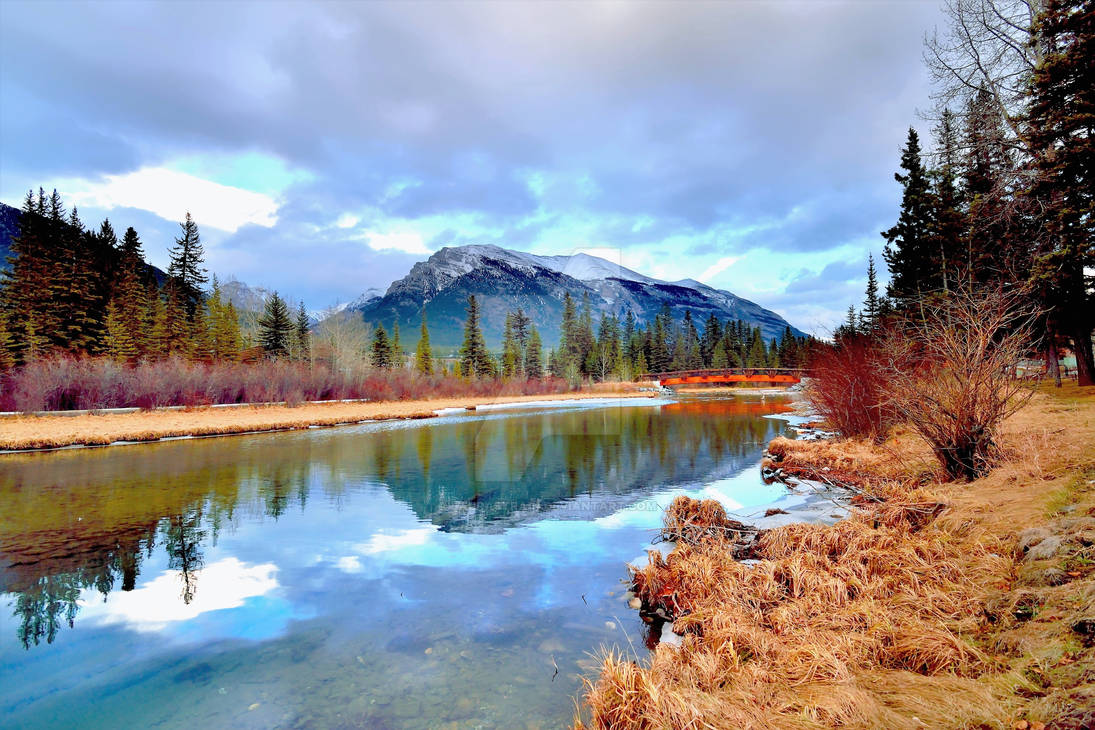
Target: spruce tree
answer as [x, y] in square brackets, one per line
[7, 360]
[909, 253]
[187, 257]
[534, 354]
[1062, 120]
[474, 358]
[423, 356]
[871, 305]
[119, 343]
[157, 339]
[758, 353]
[302, 336]
[949, 222]
[275, 327]
[511, 349]
[380, 354]
[397, 347]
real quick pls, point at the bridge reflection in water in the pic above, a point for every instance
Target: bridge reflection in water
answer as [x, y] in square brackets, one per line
[773, 376]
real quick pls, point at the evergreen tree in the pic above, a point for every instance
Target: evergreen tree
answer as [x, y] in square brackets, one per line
[709, 342]
[511, 349]
[758, 353]
[302, 336]
[909, 253]
[871, 305]
[380, 354]
[1062, 122]
[423, 356]
[275, 327]
[986, 169]
[187, 257]
[534, 363]
[157, 341]
[948, 219]
[119, 340]
[224, 325]
[474, 358]
[397, 347]
[6, 358]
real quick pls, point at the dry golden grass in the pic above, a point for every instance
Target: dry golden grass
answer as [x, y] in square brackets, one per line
[919, 611]
[38, 432]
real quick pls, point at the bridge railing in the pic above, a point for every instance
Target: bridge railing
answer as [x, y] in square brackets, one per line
[749, 372]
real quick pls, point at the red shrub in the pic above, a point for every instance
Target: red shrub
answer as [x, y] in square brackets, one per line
[66, 383]
[848, 388]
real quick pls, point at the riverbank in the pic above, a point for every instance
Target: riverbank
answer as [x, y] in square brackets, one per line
[934, 605]
[20, 433]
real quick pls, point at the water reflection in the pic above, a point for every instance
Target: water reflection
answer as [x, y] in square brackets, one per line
[320, 537]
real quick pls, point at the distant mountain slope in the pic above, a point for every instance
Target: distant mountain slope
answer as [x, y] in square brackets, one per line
[504, 280]
[9, 229]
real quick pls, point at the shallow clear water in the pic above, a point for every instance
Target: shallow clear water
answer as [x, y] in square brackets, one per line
[455, 572]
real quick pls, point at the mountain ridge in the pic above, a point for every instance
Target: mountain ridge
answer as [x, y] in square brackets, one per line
[503, 280]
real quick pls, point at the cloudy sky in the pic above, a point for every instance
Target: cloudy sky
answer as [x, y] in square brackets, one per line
[324, 148]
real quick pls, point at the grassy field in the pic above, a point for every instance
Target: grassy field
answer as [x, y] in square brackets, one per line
[38, 432]
[942, 604]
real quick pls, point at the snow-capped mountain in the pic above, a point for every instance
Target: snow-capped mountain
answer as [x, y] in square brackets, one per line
[503, 280]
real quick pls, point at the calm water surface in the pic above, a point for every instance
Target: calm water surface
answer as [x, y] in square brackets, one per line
[408, 575]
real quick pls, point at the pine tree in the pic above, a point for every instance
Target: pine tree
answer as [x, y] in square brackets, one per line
[948, 219]
[224, 326]
[511, 349]
[423, 356]
[275, 327]
[534, 363]
[909, 252]
[397, 347]
[157, 341]
[474, 358]
[118, 339]
[176, 324]
[1062, 121]
[568, 333]
[758, 353]
[187, 257]
[871, 305]
[302, 336]
[6, 358]
[986, 169]
[380, 354]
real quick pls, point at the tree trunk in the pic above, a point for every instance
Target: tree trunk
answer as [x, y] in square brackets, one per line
[1085, 366]
[1053, 361]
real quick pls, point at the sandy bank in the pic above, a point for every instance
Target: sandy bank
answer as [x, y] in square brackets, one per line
[40, 432]
[935, 604]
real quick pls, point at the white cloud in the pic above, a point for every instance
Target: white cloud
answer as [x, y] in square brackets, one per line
[224, 584]
[405, 241]
[717, 268]
[347, 220]
[349, 564]
[384, 542]
[170, 194]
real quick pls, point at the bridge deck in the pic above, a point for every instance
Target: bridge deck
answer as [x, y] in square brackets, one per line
[781, 376]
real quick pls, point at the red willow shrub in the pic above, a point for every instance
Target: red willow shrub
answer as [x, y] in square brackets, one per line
[848, 388]
[68, 383]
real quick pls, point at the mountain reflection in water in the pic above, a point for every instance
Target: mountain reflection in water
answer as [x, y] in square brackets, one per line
[176, 538]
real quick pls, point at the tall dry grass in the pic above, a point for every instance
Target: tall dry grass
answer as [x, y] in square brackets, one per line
[70, 383]
[816, 632]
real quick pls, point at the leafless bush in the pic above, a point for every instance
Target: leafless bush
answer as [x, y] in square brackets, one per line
[951, 374]
[848, 389]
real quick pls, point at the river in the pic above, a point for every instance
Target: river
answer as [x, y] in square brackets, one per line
[458, 572]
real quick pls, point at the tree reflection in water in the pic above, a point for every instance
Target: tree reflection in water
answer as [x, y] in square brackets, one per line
[79, 520]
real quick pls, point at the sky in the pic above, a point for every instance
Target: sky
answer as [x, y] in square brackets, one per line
[324, 148]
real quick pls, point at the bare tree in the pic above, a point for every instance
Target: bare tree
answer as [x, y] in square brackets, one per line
[986, 47]
[952, 375]
[342, 338]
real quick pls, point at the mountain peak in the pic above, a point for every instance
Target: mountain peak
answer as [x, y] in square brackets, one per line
[504, 280]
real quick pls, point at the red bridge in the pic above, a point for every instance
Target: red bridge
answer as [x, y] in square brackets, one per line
[780, 376]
